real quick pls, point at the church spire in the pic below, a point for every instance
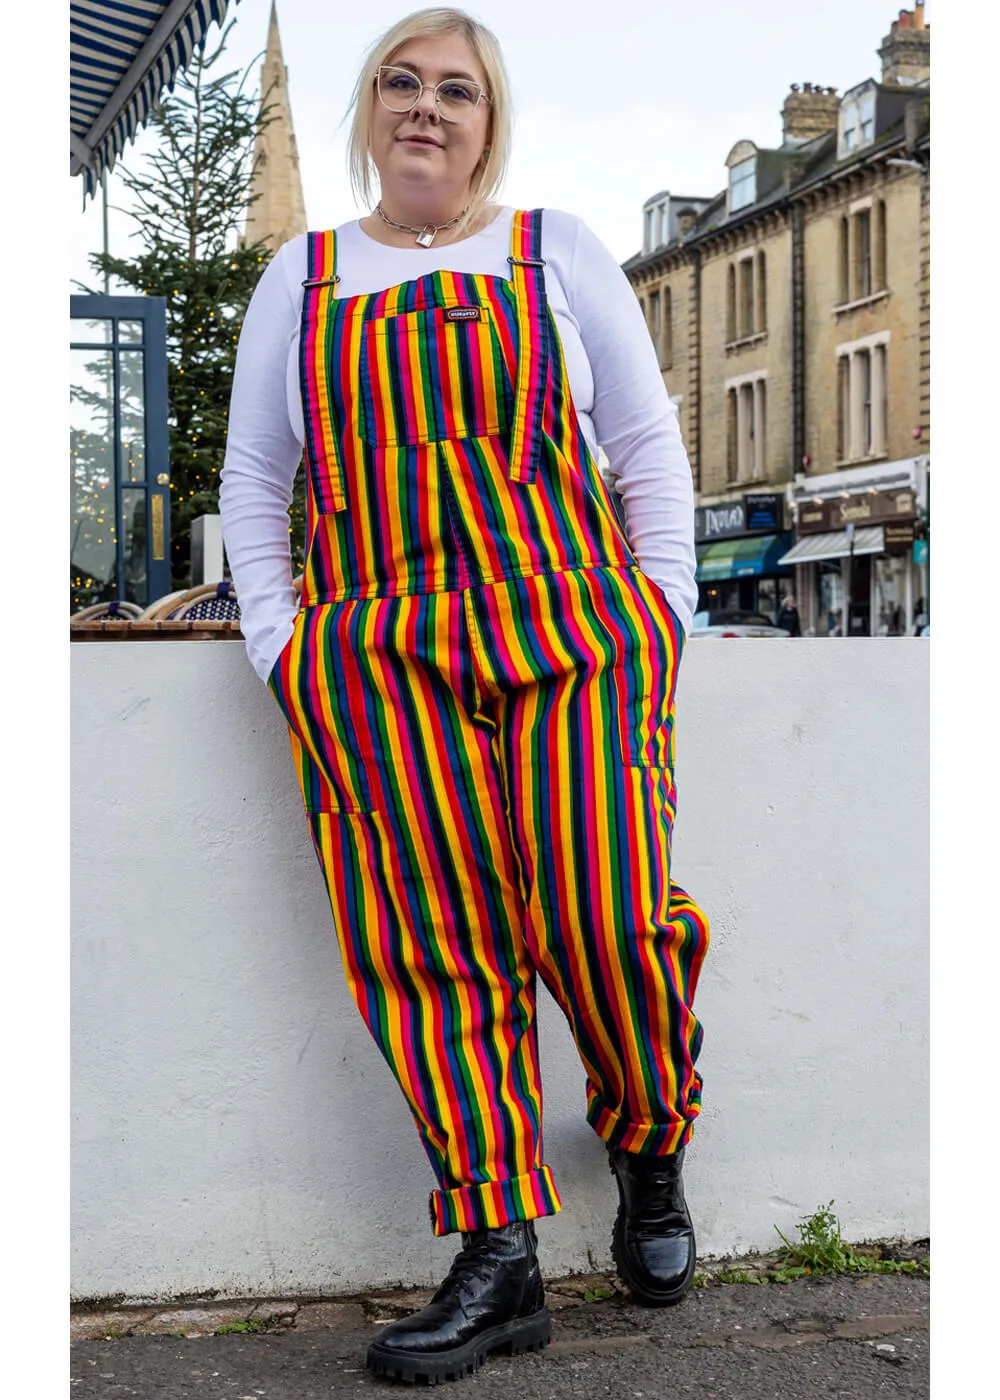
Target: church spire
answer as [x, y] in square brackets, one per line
[279, 212]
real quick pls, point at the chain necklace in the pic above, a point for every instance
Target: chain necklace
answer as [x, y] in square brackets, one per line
[425, 235]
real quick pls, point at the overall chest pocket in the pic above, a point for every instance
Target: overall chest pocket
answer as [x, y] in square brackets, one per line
[433, 375]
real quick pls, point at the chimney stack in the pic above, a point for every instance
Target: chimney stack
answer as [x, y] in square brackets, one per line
[906, 49]
[809, 110]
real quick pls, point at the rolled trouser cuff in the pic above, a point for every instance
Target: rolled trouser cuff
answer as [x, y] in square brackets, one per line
[656, 1139]
[493, 1203]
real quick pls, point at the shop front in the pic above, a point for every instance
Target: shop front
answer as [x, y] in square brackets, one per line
[739, 545]
[857, 571]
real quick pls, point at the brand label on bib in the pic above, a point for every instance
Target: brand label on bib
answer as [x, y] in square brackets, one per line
[462, 313]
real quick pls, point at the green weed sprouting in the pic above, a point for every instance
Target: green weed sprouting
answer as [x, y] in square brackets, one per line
[821, 1249]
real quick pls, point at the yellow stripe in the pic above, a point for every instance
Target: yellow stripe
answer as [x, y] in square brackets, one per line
[412, 955]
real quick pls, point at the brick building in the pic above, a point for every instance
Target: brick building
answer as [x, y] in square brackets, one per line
[792, 314]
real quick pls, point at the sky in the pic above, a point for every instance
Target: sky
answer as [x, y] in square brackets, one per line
[606, 114]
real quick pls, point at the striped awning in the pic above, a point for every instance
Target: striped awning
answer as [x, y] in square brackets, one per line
[870, 539]
[123, 53]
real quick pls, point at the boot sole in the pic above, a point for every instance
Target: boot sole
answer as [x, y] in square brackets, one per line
[511, 1338]
[665, 1299]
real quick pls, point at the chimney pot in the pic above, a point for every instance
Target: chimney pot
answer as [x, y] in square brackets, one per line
[905, 51]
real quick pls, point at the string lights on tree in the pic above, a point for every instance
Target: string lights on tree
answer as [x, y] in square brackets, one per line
[189, 203]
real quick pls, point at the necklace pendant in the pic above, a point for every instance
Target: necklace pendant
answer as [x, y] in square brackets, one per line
[426, 236]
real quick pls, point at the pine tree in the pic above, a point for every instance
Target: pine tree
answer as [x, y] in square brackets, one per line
[189, 205]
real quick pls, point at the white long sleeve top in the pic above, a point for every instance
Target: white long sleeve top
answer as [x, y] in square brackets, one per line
[614, 377]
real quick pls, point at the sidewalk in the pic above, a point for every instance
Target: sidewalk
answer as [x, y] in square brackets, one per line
[844, 1338]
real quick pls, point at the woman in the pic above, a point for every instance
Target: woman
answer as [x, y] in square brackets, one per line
[479, 682]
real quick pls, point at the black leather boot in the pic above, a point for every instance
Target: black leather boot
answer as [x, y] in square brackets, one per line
[653, 1243]
[491, 1300]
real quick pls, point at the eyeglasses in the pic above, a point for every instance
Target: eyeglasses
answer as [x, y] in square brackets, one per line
[455, 98]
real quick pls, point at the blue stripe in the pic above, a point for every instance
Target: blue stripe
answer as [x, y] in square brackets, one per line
[106, 36]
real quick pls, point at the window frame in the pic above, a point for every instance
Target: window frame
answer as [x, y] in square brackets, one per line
[745, 299]
[749, 179]
[850, 129]
[151, 311]
[866, 118]
[863, 247]
[667, 334]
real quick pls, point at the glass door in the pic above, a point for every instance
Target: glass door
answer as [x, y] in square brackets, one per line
[118, 451]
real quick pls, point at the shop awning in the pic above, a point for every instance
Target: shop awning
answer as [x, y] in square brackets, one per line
[835, 545]
[741, 558]
[123, 53]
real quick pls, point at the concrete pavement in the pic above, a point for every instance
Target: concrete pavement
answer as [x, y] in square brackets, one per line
[843, 1338]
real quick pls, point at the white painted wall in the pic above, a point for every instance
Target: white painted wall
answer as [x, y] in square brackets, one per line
[235, 1129]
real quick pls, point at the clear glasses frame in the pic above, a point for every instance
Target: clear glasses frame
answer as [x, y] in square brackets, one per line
[421, 88]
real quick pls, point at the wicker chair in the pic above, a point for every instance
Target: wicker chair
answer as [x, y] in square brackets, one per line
[116, 610]
[163, 607]
[215, 601]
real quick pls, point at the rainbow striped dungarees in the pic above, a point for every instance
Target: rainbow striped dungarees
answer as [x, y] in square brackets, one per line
[479, 691]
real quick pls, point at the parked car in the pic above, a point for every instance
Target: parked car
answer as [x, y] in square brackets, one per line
[734, 622]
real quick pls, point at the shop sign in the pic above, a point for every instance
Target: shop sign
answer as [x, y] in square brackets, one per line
[765, 511]
[921, 551]
[718, 522]
[864, 508]
[898, 538]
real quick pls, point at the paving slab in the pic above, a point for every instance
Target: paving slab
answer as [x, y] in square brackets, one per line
[829, 1339]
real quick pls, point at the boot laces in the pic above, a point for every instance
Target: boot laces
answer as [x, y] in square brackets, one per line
[475, 1260]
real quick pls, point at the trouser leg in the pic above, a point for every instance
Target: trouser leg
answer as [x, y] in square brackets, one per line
[428, 912]
[585, 707]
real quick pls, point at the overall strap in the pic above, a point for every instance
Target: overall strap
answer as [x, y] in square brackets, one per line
[322, 453]
[528, 277]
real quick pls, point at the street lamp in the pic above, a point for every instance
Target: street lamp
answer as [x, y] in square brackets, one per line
[849, 587]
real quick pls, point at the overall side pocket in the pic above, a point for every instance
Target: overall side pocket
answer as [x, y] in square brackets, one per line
[312, 684]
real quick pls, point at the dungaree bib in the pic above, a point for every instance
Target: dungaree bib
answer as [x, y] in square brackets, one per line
[479, 692]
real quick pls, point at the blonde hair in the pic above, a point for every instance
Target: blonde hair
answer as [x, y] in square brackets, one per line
[488, 178]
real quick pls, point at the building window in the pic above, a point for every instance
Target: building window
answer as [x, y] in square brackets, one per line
[881, 278]
[880, 400]
[866, 118]
[655, 327]
[844, 289]
[746, 423]
[857, 122]
[655, 227]
[864, 366]
[744, 320]
[747, 452]
[667, 347]
[862, 254]
[746, 298]
[850, 126]
[843, 407]
[862, 403]
[731, 304]
[743, 184]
